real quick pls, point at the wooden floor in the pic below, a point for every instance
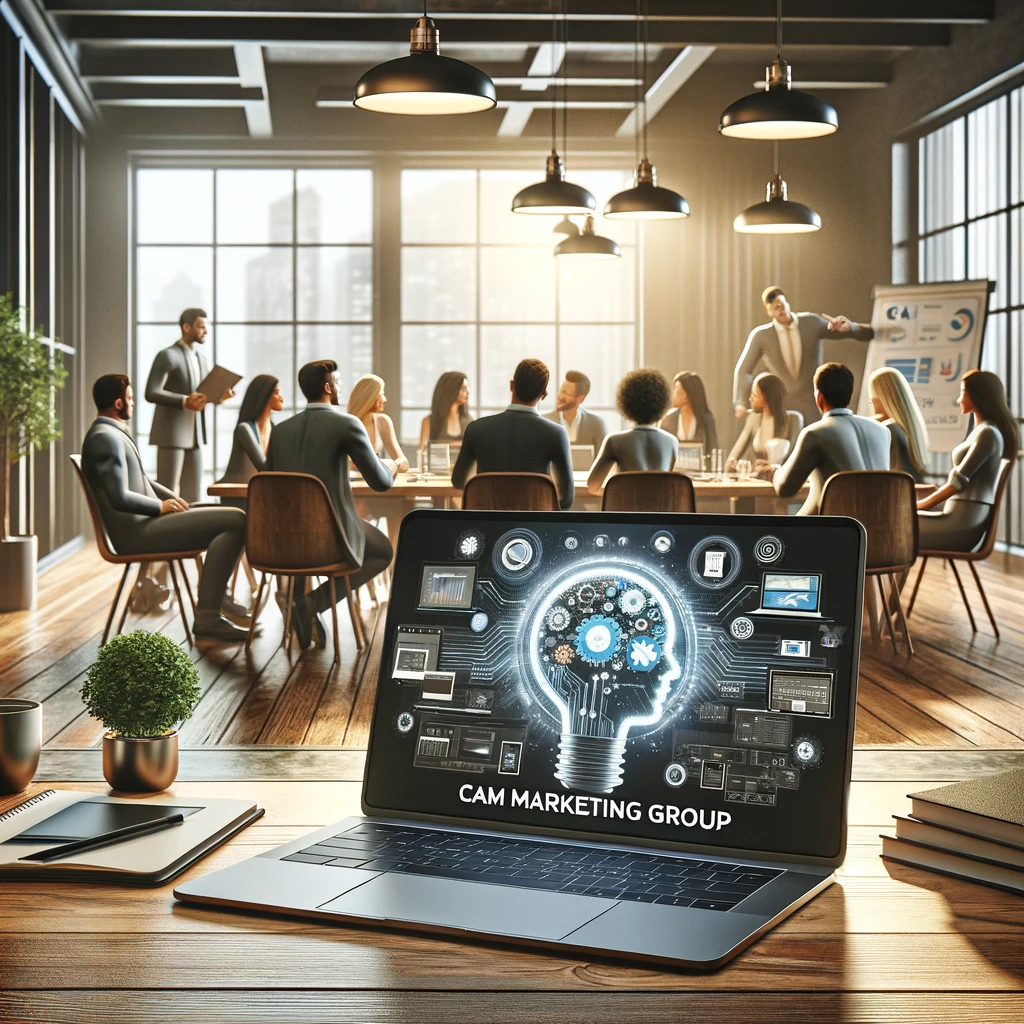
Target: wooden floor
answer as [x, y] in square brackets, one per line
[962, 689]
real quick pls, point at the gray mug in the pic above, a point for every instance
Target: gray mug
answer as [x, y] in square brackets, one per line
[21, 739]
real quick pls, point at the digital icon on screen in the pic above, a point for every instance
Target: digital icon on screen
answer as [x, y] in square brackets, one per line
[832, 636]
[795, 649]
[405, 722]
[602, 542]
[768, 550]
[510, 757]
[469, 545]
[479, 622]
[807, 751]
[714, 564]
[741, 628]
[571, 541]
[663, 542]
[516, 555]
[675, 775]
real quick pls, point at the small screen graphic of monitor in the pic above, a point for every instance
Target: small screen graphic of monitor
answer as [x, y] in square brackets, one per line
[791, 592]
[447, 586]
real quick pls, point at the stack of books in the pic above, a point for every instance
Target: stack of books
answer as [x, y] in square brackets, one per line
[972, 830]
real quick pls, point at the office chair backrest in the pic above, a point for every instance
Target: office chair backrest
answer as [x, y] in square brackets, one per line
[103, 541]
[648, 491]
[510, 492]
[885, 503]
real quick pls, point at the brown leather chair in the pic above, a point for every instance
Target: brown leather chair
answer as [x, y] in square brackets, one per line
[313, 544]
[510, 492]
[648, 491]
[107, 552]
[885, 504]
[970, 557]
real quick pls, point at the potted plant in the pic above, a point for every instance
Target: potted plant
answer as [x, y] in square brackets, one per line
[31, 371]
[141, 687]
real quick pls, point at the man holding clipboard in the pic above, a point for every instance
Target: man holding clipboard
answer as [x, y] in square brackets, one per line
[180, 385]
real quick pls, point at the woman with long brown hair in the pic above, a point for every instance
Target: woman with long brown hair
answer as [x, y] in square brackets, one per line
[449, 410]
[768, 419]
[252, 433]
[690, 419]
[969, 494]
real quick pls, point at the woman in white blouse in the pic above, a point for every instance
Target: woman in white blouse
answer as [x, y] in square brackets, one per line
[768, 419]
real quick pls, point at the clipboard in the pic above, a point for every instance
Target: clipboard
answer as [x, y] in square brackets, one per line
[216, 382]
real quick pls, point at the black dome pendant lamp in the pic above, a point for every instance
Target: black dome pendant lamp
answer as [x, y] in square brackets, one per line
[588, 245]
[425, 83]
[645, 200]
[779, 111]
[554, 195]
[777, 215]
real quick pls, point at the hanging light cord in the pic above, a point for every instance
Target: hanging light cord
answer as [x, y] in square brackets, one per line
[776, 163]
[565, 80]
[646, 22]
[636, 85]
[778, 29]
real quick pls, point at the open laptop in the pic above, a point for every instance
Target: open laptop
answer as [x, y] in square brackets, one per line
[583, 741]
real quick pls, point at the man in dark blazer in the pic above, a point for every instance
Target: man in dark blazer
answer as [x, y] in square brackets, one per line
[145, 518]
[583, 427]
[790, 346]
[838, 441]
[519, 440]
[320, 440]
[179, 419]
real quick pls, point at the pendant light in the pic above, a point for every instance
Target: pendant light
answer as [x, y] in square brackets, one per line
[779, 111]
[645, 200]
[555, 195]
[777, 215]
[565, 227]
[588, 245]
[425, 82]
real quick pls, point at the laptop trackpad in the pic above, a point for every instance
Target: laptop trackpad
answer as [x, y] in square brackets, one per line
[472, 906]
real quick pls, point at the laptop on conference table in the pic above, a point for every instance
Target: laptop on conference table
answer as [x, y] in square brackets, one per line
[583, 741]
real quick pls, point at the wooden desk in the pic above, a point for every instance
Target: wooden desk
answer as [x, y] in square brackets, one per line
[886, 943]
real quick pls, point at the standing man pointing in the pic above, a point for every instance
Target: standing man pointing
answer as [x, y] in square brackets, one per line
[791, 348]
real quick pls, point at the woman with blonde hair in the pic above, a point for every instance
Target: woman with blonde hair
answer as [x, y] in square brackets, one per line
[897, 409]
[366, 403]
[969, 495]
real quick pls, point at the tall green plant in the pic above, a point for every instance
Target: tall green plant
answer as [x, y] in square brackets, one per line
[29, 375]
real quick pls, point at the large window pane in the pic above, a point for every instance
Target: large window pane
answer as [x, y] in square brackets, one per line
[334, 205]
[350, 347]
[941, 186]
[597, 291]
[170, 279]
[438, 283]
[986, 255]
[498, 224]
[429, 351]
[605, 353]
[501, 348]
[254, 206]
[254, 283]
[941, 257]
[517, 283]
[334, 283]
[986, 149]
[174, 206]
[438, 206]
[1017, 256]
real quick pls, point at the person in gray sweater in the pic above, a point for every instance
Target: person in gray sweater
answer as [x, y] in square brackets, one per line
[838, 441]
[142, 517]
[642, 397]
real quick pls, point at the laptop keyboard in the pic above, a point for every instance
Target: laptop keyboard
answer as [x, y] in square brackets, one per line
[610, 874]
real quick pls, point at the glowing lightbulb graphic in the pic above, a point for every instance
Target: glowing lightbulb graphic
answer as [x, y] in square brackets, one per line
[607, 646]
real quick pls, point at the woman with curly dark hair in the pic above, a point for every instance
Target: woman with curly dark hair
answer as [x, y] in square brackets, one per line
[642, 397]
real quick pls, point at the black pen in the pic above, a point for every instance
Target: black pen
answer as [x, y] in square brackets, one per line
[118, 835]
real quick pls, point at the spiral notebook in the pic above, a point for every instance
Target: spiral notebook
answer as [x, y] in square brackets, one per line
[147, 860]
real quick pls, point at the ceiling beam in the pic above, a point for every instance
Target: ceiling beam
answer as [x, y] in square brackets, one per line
[182, 93]
[671, 80]
[513, 124]
[129, 31]
[252, 75]
[158, 61]
[922, 12]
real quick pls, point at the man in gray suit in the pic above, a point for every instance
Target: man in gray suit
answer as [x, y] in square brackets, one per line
[144, 518]
[519, 440]
[582, 427]
[790, 347]
[176, 373]
[320, 440]
[837, 442]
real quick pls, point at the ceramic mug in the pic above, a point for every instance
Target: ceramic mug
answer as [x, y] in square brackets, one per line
[21, 739]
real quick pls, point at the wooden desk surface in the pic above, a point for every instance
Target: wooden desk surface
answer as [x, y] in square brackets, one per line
[885, 943]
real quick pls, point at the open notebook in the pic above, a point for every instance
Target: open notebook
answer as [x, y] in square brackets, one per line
[144, 861]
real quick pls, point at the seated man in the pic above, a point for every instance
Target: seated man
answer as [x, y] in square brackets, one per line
[519, 440]
[320, 440]
[582, 427]
[145, 518]
[836, 442]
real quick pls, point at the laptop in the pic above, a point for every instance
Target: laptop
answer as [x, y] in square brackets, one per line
[791, 594]
[691, 457]
[582, 456]
[583, 740]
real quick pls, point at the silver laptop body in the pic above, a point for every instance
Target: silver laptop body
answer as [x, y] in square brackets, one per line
[583, 742]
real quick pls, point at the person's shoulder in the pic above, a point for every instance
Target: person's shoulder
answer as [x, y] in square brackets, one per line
[102, 436]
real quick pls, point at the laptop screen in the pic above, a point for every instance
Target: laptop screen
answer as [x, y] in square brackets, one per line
[610, 673]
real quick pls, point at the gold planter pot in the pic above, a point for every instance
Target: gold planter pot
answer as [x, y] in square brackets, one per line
[140, 765]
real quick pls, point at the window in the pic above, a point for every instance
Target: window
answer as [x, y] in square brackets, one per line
[480, 290]
[281, 259]
[970, 225]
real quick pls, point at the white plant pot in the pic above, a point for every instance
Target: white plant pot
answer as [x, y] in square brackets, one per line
[18, 556]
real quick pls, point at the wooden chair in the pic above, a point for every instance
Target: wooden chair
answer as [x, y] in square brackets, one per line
[970, 557]
[648, 491]
[107, 552]
[313, 544]
[510, 492]
[884, 503]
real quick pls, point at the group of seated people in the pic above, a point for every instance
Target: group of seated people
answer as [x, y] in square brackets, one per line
[142, 517]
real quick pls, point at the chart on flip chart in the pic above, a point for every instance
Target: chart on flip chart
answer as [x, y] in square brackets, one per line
[932, 334]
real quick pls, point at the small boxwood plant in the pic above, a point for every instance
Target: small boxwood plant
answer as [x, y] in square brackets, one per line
[141, 685]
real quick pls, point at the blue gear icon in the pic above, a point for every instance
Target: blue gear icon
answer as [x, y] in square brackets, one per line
[643, 653]
[597, 639]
